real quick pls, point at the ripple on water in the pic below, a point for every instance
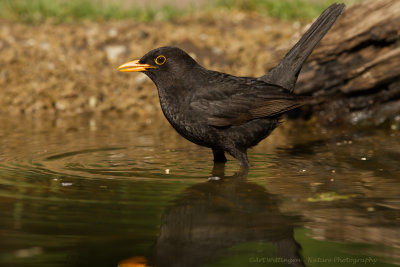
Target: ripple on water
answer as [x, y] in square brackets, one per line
[116, 190]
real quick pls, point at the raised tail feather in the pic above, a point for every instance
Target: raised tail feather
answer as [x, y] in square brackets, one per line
[286, 72]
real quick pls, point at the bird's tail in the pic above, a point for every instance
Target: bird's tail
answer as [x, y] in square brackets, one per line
[286, 72]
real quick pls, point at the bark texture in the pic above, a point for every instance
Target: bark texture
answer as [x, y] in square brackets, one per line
[354, 74]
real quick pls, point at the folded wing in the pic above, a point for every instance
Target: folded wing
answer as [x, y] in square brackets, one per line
[242, 102]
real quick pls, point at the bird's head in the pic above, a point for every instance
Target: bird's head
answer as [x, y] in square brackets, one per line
[162, 64]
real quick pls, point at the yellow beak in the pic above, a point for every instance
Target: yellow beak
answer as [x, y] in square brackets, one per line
[134, 66]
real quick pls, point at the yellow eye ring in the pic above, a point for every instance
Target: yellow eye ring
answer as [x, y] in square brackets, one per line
[160, 60]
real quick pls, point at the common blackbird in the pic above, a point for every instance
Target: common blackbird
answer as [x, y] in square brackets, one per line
[221, 111]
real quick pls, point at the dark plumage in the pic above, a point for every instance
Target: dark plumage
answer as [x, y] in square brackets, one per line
[224, 112]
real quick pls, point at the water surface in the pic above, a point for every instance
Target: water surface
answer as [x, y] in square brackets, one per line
[118, 192]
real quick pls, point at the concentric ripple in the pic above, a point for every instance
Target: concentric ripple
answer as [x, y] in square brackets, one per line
[98, 192]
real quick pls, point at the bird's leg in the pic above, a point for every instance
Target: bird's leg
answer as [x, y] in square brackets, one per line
[218, 169]
[241, 156]
[219, 155]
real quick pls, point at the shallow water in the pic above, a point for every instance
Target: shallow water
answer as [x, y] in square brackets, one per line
[117, 192]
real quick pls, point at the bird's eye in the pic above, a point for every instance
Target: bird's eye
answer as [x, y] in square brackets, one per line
[160, 60]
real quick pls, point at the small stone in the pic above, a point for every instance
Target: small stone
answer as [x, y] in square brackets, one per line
[113, 32]
[92, 101]
[60, 105]
[140, 79]
[113, 52]
[45, 46]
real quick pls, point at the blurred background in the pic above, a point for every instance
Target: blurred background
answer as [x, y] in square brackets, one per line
[59, 57]
[64, 10]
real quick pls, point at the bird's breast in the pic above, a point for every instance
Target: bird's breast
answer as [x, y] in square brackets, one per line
[186, 121]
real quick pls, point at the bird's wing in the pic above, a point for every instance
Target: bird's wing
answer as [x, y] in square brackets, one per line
[240, 103]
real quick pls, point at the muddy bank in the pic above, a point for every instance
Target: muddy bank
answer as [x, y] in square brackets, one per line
[69, 70]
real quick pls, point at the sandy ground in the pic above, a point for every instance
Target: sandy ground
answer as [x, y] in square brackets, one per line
[68, 70]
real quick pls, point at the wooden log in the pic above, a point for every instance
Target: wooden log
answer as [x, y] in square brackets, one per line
[355, 71]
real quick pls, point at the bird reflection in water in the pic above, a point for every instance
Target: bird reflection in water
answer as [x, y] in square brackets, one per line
[211, 217]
